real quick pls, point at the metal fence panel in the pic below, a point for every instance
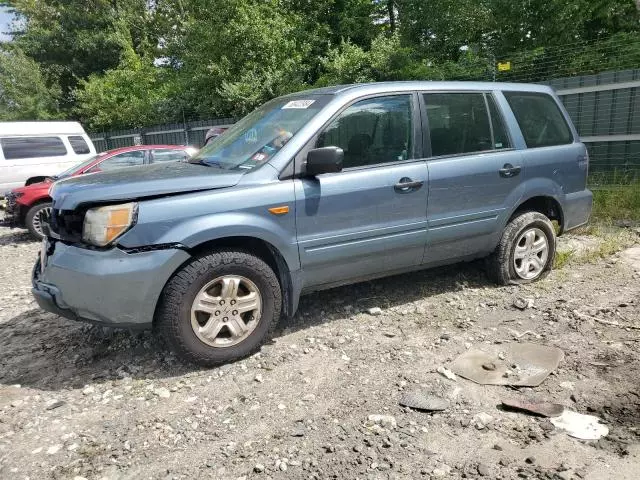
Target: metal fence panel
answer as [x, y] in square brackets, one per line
[190, 133]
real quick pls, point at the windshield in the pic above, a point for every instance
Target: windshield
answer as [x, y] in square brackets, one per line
[77, 167]
[256, 138]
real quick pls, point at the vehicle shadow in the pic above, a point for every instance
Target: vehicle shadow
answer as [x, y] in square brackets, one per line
[46, 352]
[386, 293]
[16, 236]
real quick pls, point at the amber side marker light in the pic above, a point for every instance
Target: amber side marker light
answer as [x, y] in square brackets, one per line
[279, 210]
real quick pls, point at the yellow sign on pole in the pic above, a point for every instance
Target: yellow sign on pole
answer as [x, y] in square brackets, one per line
[504, 66]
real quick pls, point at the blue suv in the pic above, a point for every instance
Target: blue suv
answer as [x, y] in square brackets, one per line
[313, 190]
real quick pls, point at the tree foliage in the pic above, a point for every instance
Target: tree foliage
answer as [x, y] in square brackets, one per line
[23, 92]
[125, 63]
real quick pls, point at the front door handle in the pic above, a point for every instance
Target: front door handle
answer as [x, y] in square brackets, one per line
[407, 185]
[508, 171]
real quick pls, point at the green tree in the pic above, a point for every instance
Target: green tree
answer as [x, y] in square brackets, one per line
[440, 28]
[135, 94]
[74, 39]
[230, 55]
[23, 92]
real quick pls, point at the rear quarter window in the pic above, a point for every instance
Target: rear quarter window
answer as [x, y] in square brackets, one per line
[17, 148]
[79, 145]
[540, 119]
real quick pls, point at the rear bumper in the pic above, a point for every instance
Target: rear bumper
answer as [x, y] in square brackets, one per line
[577, 209]
[111, 288]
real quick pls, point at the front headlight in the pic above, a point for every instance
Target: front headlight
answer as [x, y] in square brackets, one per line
[102, 225]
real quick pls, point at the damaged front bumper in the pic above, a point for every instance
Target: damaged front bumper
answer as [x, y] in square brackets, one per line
[109, 287]
[12, 217]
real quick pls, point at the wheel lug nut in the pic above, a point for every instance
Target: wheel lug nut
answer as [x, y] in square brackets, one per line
[235, 312]
[233, 302]
[217, 312]
[221, 302]
[225, 319]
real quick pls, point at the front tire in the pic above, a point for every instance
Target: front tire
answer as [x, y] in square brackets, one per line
[526, 251]
[220, 307]
[35, 217]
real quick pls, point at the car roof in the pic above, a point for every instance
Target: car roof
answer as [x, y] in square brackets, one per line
[384, 87]
[40, 128]
[135, 148]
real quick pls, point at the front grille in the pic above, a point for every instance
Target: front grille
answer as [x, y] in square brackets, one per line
[67, 225]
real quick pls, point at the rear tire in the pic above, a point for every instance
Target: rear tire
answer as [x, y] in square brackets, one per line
[526, 250]
[205, 322]
[35, 216]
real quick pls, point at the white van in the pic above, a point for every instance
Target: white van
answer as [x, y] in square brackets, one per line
[31, 151]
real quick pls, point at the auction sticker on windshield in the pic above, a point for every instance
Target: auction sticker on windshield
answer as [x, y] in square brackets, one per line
[298, 104]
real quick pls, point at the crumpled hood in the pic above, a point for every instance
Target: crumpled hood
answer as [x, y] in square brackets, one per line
[135, 183]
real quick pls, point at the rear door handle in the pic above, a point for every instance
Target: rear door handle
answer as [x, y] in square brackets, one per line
[407, 185]
[508, 171]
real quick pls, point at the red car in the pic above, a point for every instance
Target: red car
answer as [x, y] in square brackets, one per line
[27, 205]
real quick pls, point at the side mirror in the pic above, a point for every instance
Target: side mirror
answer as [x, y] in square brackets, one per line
[324, 160]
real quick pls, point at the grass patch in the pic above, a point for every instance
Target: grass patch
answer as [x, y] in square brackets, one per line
[615, 203]
[563, 258]
[606, 241]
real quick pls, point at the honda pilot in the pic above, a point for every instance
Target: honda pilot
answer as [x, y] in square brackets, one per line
[310, 191]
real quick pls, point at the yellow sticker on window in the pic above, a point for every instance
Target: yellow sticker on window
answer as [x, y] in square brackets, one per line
[504, 66]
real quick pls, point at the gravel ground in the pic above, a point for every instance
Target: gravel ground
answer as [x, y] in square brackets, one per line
[78, 401]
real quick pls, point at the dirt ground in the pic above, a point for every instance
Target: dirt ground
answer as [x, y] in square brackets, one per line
[78, 401]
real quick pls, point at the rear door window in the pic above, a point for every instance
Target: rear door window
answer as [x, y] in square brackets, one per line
[17, 148]
[122, 160]
[79, 145]
[162, 156]
[540, 119]
[458, 123]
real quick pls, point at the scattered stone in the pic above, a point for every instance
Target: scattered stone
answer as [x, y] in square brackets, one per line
[481, 420]
[447, 373]
[89, 390]
[386, 421]
[259, 468]
[441, 471]
[258, 378]
[53, 404]
[53, 449]
[489, 366]
[299, 431]
[523, 303]
[530, 460]
[375, 311]
[564, 475]
[162, 392]
[422, 401]
[483, 470]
